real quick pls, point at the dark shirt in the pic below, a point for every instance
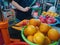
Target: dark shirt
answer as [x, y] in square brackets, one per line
[24, 3]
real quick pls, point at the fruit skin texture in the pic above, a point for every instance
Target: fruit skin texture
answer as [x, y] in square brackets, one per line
[38, 38]
[59, 36]
[44, 28]
[30, 38]
[51, 20]
[53, 34]
[30, 30]
[47, 41]
[44, 13]
[35, 22]
[42, 19]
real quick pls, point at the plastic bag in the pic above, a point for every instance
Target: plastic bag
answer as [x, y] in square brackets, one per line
[52, 9]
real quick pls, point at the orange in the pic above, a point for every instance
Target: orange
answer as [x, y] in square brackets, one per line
[35, 22]
[38, 38]
[59, 35]
[53, 34]
[37, 28]
[30, 38]
[38, 22]
[30, 30]
[47, 41]
[44, 28]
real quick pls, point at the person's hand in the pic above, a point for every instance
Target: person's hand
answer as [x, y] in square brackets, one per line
[26, 9]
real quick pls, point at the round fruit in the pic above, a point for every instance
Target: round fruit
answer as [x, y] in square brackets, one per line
[38, 22]
[44, 28]
[47, 41]
[44, 13]
[59, 35]
[35, 22]
[53, 34]
[30, 38]
[38, 38]
[30, 30]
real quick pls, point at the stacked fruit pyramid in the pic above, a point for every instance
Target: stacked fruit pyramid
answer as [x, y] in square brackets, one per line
[39, 33]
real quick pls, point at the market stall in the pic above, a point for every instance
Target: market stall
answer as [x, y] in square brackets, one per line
[43, 28]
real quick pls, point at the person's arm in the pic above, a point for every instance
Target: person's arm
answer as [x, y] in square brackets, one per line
[20, 7]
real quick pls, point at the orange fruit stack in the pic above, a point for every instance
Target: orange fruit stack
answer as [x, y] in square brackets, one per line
[40, 33]
[53, 34]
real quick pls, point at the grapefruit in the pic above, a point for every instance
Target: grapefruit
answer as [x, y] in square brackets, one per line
[53, 34]
[35, 22]
[30, 30]
[44, 28]
[38, 38]
[47, 41]
[59, 36]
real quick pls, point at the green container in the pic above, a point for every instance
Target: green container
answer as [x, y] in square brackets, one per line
[30, 43]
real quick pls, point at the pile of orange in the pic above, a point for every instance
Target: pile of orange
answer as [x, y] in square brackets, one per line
[40, 33]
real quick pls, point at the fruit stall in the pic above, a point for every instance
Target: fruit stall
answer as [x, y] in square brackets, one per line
[42, 29]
